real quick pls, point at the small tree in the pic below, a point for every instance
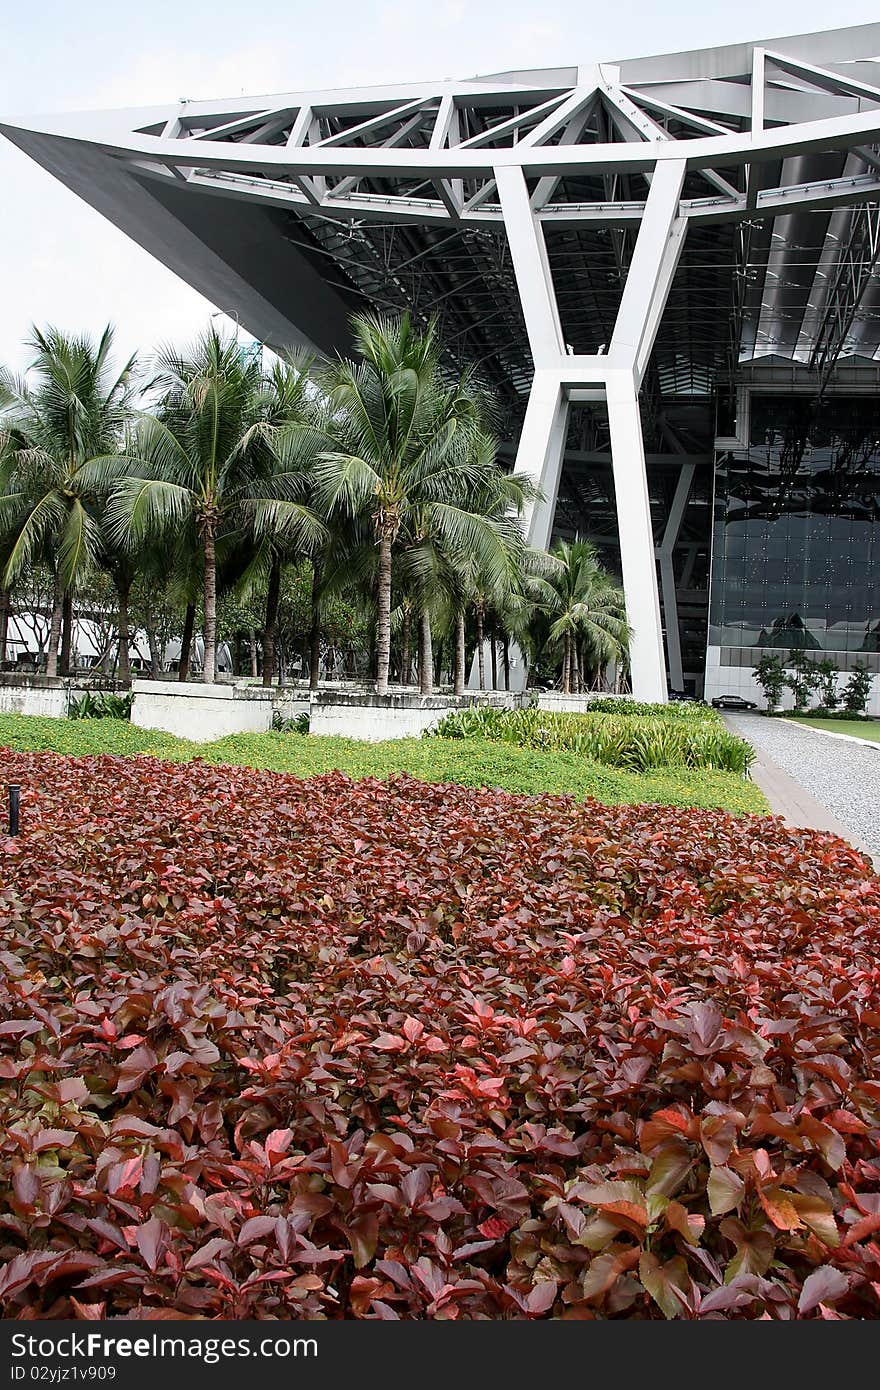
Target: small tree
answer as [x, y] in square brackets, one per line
[770, 675]
[857, 689]
[827, 672]
[802, 680]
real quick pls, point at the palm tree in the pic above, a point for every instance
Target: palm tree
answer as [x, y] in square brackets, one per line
[395, 448]
[587, 609]
[204, 463]
[285, 525]
[487, 576]
[59, 437]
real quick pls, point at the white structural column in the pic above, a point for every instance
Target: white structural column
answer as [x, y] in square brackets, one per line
[560, 377]
[656, 254]
[647, 662]
[533, 278]
[541, 451]
[651, 270]
[667, 573]
[542, 441]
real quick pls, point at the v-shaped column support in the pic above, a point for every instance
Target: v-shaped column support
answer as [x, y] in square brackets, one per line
[615, 377]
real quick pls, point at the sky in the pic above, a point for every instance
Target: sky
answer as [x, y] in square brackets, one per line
[63, 264]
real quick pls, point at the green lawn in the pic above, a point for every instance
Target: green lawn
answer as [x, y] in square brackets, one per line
[858, 728]
[471, 762]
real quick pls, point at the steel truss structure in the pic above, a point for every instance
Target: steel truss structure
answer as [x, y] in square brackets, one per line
[586, 234]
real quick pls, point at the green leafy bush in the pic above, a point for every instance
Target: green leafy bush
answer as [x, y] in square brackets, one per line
[674, 709]
[297, 725]
[857, 689]
[101, 705]
[770, 675]
[639, 743]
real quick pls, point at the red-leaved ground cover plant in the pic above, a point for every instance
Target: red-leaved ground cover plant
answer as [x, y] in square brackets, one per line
[326, 1049]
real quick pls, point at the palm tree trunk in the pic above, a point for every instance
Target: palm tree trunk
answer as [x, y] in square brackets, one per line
[383, 619]
[506, 662]
[66, 632]
[494, 660]
[566, 664]
[153, 640]
[315, 634]
[272, 596]
[5, 606]
[122, 591]
[481, 655]
[189, 622]
[458, 686]
[426, 659]
[209, 672]
[405, 655]
[252, 644]
[55, 626]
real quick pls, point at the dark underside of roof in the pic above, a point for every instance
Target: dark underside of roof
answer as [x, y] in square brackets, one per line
[802, 287]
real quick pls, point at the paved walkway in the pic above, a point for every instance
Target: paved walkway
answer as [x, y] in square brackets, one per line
[816, 781]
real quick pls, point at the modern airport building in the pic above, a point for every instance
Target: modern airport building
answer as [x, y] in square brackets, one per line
[667, 268]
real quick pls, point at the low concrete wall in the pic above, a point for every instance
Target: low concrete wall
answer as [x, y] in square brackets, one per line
[52, 700]
[201, 712]
[372, 718]
[27, 693]
[573, 704]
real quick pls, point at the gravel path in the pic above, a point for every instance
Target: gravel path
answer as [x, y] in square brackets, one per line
[843, 776]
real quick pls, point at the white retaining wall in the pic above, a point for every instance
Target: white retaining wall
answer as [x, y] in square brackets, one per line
[201, 712]
[574, 704]
[371, 719]
[372, 724]
[37, 699]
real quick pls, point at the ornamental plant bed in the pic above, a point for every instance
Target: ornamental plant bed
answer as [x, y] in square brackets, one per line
[326, 1049]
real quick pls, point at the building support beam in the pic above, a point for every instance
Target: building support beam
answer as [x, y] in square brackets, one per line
[635, 531]
[651, 270]
[528, 252]
[541, 451]
[560, 377]
[667, 573]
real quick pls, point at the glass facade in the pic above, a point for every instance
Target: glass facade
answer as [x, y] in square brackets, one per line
[796, 534]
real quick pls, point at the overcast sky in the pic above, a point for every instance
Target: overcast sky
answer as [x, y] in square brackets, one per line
[64, 264]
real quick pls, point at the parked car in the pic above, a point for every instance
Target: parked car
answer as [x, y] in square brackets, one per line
[682, 695]
[732, 702]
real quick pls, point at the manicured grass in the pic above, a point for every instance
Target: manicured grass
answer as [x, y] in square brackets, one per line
[858, 728]
[470, 762]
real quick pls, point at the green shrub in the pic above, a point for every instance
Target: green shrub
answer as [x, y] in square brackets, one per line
[857, 689]
[674, 709]
[639, 743]
[770, 675]
[802, 679]
[101, 705]
[299, 724]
